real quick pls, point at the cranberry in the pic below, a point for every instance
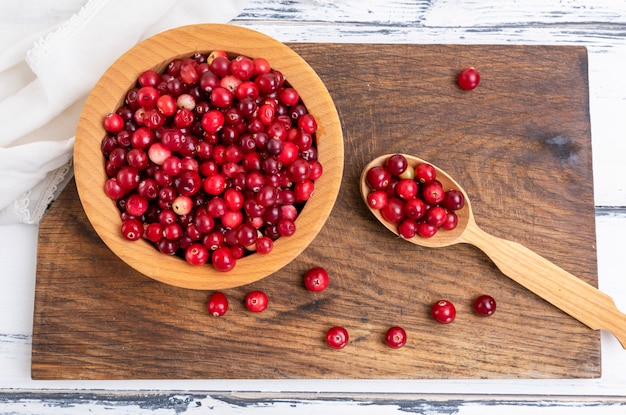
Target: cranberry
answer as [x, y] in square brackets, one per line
[414, 208]
[132, 229]
[213, 121]
[264, 245]
[378, 178]
[469, 78]
[426, 230]
[261, 66]
[288, 96]
[197, 254]
[307, 123]
[443, 311]
[453, 200]
[113, 123]
[337, 337]
[218, 304]
[396, 164]
[393, 211]
[425, 173]
[436, 216]
[484, 305]
[433, 193]
[223, 259]
[451, 222]
[406, 189]
[316, 279]
[407, 228]
[395, 337]
[136, 205]
[210, 157]
[256, 301]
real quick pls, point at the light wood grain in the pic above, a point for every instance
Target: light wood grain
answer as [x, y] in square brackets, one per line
[154, 53]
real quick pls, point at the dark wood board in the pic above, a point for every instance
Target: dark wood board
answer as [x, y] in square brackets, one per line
[520, 145]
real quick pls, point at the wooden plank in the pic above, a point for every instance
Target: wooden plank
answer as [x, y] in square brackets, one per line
[520, 145]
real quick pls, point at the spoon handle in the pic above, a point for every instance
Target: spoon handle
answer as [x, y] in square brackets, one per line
[572, 295]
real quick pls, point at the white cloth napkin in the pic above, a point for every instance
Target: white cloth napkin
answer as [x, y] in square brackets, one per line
[47, 68]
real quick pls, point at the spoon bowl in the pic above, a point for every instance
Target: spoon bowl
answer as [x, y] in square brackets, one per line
[565, 291]
[440, 239]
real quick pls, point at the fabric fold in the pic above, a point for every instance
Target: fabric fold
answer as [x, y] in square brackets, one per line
[50, 75]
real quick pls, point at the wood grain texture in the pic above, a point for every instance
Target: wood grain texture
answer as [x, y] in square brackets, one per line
[155, 53]
[560, 288]
[521, 147]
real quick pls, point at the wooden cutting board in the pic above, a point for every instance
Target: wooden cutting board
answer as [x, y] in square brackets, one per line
[519, 144]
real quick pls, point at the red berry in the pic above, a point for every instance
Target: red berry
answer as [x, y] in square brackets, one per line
[443, 311]
[425, 173]
[395, 337]
[396, 164]
[453, 200]
[256, 301]
[211, 157]
[469, 78]
[197, 254]
[132, 229]
[377, 199]
[393, 211]
[223, 259]
[218, 304]
[378, 178]
[484, 305]
[406, 189]
[337, 337]
[316, 279]
[433, 193]
[113, 123]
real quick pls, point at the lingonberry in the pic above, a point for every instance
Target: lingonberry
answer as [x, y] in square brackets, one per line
[256, 301]
[443, 311]
[337, 337]
[316, 279]
[468, 79]
[217, 304]
[484, 305]
[395, 337]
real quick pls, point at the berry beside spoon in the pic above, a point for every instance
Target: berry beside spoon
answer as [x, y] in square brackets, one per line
[560, 288]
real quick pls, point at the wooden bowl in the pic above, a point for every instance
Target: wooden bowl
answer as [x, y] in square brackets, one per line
[156, 52]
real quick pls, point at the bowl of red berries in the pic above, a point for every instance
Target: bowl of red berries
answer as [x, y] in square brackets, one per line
[208, 156]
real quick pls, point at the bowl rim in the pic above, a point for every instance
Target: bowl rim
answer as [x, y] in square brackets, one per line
[155, 52]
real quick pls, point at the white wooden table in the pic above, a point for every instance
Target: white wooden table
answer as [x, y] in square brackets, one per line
[600, 25]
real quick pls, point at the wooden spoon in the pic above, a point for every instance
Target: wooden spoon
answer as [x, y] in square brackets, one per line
[563, 290]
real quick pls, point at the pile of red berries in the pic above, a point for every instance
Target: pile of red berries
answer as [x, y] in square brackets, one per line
[412, 197]
[212, 159]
